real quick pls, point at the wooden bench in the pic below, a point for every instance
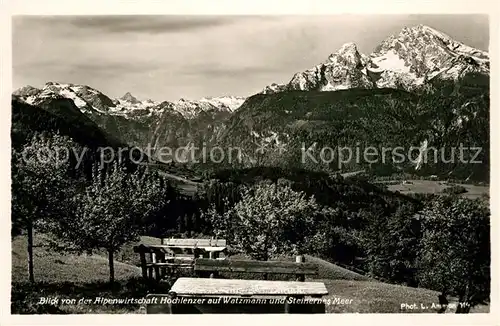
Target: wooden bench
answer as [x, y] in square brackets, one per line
[157, 261]
[160, 260]
[209, 295]
[195, 251]
[214, 267]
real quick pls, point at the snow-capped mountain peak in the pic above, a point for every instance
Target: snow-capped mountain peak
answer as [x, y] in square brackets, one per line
[231, 103]
[91, 101]
[129, 98]
[348, 53]
[405, 60]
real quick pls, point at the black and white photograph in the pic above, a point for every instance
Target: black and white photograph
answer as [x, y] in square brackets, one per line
[250, 164]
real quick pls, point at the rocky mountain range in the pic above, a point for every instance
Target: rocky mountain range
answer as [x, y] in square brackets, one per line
[367, 91]
[419, 88]
[137, 122]
[407, 61]
[90, 100]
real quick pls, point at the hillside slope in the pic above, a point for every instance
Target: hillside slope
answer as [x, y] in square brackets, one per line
[61, 116]
[50, 266]
[333, 130]
[327, 270]
[57, 115]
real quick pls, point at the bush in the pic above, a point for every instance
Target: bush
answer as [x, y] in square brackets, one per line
[454, 255]
[270, 219]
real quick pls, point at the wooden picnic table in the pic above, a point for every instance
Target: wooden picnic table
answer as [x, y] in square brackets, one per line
[206, 295]
[187, 286]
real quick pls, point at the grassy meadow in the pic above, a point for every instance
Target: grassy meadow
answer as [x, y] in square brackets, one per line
[437, 187]
[74, 276]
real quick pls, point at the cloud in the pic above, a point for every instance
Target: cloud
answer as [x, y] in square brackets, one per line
[113, 68]
[147, 24]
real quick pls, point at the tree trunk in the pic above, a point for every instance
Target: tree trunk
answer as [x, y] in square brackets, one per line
[266, 258]
[111, 267]
[30, 252]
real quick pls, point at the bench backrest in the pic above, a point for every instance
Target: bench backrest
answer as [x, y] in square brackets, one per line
[189, 250]
[253, 266]
[195, 242]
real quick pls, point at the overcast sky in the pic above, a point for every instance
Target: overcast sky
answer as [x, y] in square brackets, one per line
[172, 57]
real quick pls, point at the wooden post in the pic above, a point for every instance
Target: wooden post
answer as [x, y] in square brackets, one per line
[299, 260]
[156, 267]
[143, 264]
[161, 259]
[211, 254]
[30, 252]
[150, 268]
